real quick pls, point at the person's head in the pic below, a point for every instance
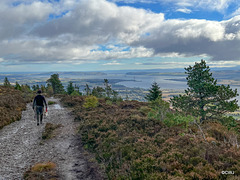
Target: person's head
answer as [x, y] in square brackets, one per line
[39, 91]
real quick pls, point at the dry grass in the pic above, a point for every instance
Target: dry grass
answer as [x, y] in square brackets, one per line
[42, 171]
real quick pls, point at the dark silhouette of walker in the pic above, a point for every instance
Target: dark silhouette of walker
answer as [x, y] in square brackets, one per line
[38, 105]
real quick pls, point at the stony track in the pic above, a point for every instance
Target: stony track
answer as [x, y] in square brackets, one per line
[21, 146]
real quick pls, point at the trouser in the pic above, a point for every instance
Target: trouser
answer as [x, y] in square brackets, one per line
[39, 111]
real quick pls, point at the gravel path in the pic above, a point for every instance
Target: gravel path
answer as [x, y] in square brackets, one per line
[21, 146]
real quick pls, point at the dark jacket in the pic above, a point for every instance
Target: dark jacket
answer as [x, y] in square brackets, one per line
[39, 100]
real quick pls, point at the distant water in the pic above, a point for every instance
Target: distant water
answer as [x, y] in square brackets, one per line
[164, 82]
[145, 82]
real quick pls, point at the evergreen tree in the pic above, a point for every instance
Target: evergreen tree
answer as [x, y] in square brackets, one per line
[37, 87]
[43, 89]
[98, 92]
[88, 90]
[26, 88]
[6, 82]
[34, 87]
[154, 92]
[108, 89]
[56, 84]
[49, 90]
[70, 88]
[17, 86]
[203, 96]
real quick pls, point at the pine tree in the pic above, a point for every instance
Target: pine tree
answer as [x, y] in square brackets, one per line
[88, 90]
[154, 92]
[70, 88]
[17, 86]
[108, 89]
[56, 84]
[98, 92]
[34, 87]
[6, 82]
[204, 97]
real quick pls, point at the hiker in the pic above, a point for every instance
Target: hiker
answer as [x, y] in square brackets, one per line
[38, 104]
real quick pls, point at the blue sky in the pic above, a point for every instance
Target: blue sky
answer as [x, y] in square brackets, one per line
[93, 35]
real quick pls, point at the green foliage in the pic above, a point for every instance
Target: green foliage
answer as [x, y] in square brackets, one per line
[108, 102]
[154, 92]
[230, 123]
[51, 102]
[87, 90]
[43, 89]
[49, 90]
[70, 88]
[75, 93]
[177, 119]
[17, 86]
[56, 84]
[35, 87]
[26, 88]
[6, 82]
[204, 97]
[98, 92]
[90, 102]
[108, 88]
[159, 109]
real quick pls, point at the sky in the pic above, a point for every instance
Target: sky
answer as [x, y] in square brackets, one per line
[96, 35]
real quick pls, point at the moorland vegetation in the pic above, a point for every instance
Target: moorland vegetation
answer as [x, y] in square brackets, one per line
[190, 137]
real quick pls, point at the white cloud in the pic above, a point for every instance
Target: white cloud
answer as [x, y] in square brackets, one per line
[213, 5]
[219, 40]
[113, 63]
[184, 10]
[26, 35]
[17, 20]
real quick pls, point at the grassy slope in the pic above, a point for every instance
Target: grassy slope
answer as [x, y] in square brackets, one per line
[12, 103]
[130, 145]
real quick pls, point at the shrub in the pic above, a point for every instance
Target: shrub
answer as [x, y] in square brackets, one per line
[159, 109]
[177, 119]
[90, 102]
[75, 93]
[108, 102]
[51, 102]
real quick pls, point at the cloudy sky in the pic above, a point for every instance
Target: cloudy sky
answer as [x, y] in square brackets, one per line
[91, 35]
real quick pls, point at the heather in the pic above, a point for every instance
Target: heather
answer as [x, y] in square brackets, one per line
[138, 140]
[12, 103]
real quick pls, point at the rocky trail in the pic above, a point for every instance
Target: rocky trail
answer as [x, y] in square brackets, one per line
[21, 146]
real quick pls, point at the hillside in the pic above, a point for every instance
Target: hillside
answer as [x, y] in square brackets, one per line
[12, 103]
[130, 142]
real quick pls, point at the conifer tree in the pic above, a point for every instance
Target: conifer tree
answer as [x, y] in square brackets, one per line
[204, 97]
[108, 89]
[154, 92]
[17, 86]
[70, 88]
[6, 82]
[88, 90]
[56, 84]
